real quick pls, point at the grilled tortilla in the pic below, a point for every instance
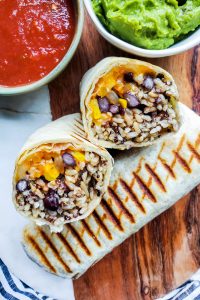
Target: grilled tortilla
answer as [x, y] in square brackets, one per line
[144, 183]
[128, 103]
[59, 176]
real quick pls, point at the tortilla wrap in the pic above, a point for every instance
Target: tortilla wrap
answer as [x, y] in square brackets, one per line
[144, 183]
[64, 134]
[144, 106]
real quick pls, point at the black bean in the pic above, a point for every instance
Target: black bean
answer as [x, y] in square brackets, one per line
[68, 160]
[122, 110]
[104, 104]
[131, 99]
[22, 185]
[141, 107]
[51, 201]
[114, 109]
[148, 82]
[98, 193]
[160, 76]
[128, 77]
[92, 182]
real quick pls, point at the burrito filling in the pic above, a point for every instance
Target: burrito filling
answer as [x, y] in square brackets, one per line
[128, 107]
[58, 186]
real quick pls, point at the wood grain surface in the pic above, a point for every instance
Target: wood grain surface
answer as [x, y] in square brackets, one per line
[164, 253]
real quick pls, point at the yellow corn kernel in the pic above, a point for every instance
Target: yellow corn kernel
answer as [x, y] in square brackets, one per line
[96, 113]
[50, 172]
[79, 156]
[123, 102]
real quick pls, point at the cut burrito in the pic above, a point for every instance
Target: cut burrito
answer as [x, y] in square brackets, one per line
[128, 103]
[59, 176]
[144, 183]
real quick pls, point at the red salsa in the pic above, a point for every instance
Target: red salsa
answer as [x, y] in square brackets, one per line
[35, 35]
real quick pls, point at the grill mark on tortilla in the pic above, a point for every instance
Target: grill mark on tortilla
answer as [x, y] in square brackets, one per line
[167, 167]
[40, 253]
[144, 188]
[77, 136]
[111, 215]
[139, 166]
[182, 162]
[68, 247]
[161, 149]
[120, 204]
[90, 232]
[80, 128]
[155, 177]
[194, 151]
[180, 145]
[54, 250]
[101, 225]
[132, 195]
[177, 151]
[78, 238]
[80, 122]
[197, 143]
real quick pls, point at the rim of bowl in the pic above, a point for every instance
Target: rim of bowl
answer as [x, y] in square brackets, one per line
[9, 91]
[175, 49]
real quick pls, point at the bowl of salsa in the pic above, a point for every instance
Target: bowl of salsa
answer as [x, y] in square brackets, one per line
[38, 39]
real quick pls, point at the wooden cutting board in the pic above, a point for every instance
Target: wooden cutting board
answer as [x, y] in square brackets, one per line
[164, 253]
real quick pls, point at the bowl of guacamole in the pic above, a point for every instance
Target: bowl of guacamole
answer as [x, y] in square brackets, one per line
[151, 28]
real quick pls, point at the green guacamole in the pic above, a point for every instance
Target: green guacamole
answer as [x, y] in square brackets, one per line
[151, 24]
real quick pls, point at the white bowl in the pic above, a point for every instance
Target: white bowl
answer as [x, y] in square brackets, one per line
[186, 44]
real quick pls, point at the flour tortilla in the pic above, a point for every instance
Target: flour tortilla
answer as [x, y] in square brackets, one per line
[67, 130]
[101, 69]
[144, 183]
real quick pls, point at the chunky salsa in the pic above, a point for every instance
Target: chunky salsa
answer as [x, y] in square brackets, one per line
[35, 35]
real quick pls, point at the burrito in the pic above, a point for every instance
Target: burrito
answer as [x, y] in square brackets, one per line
[143, 184]
[59, 176]
[128, 103]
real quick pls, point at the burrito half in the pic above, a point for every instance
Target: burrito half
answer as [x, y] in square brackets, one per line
[144, 183]
[59, 176]
[128, 103]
